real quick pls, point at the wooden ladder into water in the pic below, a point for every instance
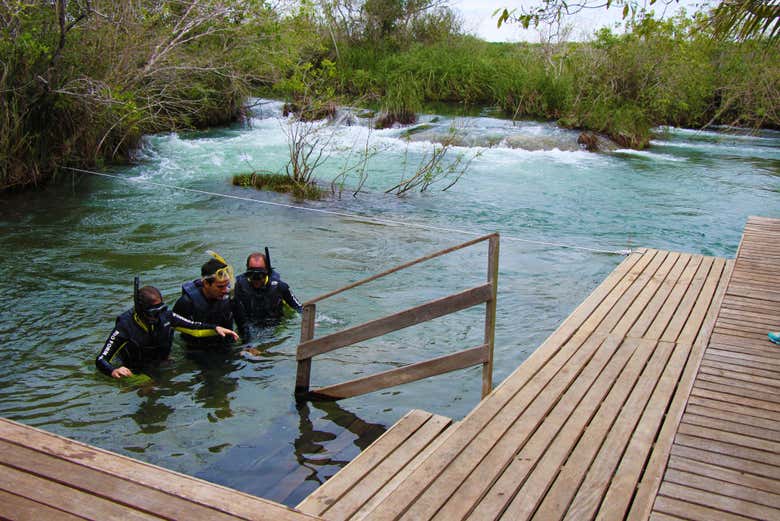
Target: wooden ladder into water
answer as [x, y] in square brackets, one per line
[651, 401]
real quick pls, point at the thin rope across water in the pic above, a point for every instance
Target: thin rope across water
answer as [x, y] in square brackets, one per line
[350, 215]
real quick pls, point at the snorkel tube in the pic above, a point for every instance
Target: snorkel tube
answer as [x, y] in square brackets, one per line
[137, 304]
[268, 261]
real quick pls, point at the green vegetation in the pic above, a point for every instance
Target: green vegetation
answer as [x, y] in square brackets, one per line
[81, 81]
[278, 183]
[660, 73]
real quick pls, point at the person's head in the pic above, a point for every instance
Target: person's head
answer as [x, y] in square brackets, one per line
[257, 270]
[216, 279]
[150, 306]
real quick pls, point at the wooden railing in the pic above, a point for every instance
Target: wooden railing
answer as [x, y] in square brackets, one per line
[482, 354]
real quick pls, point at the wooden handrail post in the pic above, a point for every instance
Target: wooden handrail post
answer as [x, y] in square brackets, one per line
[490, 315]
[304, 366]
[486, 293]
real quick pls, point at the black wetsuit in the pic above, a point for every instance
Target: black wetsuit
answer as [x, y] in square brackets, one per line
[264, 305]
[138, 344]
[194, 305]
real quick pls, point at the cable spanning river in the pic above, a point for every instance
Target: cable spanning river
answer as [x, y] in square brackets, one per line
[70, 253]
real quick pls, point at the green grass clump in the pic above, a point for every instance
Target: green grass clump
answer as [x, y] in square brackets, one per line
[279, 183]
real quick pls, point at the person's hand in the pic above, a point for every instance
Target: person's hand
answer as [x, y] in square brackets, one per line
[119, 372]
[223, 331]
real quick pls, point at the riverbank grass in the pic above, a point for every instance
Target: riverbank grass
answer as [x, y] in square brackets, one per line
[278, 183]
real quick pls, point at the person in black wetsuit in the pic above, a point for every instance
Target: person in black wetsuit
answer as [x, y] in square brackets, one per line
[261, 295]
[207, 300]
[143, 335]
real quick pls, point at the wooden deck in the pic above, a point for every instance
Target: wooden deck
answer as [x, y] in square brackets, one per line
[648, 371]
[44, 476]
[657, 398]
[725, 460]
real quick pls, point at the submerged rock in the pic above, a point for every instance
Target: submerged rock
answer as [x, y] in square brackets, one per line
[308, 112]
[409, 132]
[393, 119]
[427, 132]
[548, 142]
[593, 142]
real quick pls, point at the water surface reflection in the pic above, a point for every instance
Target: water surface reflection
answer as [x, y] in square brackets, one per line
[326, 438]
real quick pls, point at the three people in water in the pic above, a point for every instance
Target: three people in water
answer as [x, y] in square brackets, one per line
[204, 314]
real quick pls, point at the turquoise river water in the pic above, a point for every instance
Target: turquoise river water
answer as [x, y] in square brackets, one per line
[69, 254]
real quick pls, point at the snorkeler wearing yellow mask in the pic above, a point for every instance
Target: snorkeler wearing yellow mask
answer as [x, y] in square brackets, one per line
[207, 299]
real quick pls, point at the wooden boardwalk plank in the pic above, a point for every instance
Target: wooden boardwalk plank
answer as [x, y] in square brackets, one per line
[724, 488]
[65, 498]
[557, 494]
[727, 454]
[368, 507]
[724, 462]
[327, 494]
[534, 406]
[725, 474]
[731, 412]
[685, 309]
[382, 474]
[694, 511]
[661, 320]
[220, 499]
[20, 508]
[546, 449]
[591, 493]
[642, 503]
[99, 484]
[761, 408]
[721, 502]
[661, 297]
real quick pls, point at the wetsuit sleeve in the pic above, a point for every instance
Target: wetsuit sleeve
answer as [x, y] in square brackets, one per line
[115, 342]
[240, 315]
[183, 307]
[191, 327]
[290, 299]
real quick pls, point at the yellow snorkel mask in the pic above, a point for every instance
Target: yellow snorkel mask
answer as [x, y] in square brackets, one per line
[221, 274]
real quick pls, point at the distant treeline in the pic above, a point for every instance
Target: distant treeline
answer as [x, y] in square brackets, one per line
[82, 81]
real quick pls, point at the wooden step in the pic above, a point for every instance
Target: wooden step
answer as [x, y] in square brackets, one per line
[369, 478]
[45, 476]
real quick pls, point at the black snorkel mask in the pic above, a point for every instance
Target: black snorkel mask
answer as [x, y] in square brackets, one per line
[261, 274]
[146, 312]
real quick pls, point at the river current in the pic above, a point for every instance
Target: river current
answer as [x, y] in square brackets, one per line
[70, 252]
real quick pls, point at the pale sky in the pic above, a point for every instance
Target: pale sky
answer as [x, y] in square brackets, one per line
[478, 18]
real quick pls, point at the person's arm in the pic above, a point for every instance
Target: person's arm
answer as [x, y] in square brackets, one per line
[240, 314]
[289, 297]
[199, 329]
[114, 344]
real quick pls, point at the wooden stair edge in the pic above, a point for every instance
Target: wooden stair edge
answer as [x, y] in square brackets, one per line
[196, 490]
[316, 502]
